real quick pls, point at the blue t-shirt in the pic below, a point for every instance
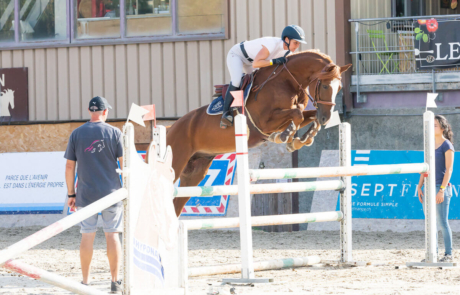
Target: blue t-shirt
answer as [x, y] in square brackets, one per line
[440, 160]
[95, 146]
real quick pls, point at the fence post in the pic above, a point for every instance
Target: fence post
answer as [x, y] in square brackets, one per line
[345, 194]
[430, 189]
[244, 197]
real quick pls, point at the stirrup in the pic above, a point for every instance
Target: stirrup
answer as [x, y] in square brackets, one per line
[225, 122]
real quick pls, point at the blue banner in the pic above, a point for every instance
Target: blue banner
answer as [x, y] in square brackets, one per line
[393, 196]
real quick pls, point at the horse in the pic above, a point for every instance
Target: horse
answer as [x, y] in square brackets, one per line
[6, 98]
[276, 111]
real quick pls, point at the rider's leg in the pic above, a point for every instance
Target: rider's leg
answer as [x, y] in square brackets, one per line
[235, 67]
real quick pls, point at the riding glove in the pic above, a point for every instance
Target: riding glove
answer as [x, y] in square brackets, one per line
[279, 61]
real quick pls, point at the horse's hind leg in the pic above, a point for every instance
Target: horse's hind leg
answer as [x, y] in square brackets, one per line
[194, 172]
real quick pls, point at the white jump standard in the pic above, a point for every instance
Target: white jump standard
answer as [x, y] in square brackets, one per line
[431, 255]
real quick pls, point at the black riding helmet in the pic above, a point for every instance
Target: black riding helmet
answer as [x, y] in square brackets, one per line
[293, 32]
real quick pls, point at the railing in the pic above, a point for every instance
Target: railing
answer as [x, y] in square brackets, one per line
[385, 46]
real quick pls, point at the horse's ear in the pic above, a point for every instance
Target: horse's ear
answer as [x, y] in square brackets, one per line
[344, 68]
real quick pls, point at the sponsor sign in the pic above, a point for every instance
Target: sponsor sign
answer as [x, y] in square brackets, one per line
[32, 183]
[393, 196]
[437, 43]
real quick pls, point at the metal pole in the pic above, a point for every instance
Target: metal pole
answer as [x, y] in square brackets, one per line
[433, 80]
[357, 61]
[345, 194]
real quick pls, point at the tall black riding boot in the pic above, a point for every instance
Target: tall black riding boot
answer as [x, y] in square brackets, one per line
[227, 115]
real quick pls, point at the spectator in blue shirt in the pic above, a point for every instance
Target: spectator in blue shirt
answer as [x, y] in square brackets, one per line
[444, 159]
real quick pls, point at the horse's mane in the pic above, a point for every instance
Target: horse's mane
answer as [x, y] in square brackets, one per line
[313, 52]
[330, 71]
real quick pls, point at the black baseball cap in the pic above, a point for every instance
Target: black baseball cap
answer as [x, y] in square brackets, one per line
[98, 103]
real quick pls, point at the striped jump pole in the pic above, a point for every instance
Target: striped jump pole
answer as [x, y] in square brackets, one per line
[258, 266]
[209, 191]
[50, 278]
[267, 220]
[258, 174]
[61, 225]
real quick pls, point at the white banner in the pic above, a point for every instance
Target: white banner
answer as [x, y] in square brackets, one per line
[32, 183]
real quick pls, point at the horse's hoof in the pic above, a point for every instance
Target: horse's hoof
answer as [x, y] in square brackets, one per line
[289, 147]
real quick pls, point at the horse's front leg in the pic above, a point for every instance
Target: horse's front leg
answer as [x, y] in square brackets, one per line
[307, 139]
[282, 124]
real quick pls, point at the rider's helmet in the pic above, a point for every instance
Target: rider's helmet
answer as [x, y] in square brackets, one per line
[293, 32]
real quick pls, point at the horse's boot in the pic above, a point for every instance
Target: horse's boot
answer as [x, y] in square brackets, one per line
[227, 115]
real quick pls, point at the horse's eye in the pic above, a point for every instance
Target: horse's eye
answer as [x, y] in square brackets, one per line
[325, 86]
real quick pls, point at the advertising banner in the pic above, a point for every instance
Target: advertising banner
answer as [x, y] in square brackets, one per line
[32, 183]
[393, 196]
[436, 44]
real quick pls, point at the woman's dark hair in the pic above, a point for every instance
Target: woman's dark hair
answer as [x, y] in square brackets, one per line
[445, 126]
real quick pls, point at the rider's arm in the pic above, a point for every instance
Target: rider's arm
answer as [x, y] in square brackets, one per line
[261, 58]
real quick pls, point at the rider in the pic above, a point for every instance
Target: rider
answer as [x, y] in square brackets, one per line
[258, 53]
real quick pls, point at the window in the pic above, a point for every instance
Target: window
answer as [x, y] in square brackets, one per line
[6, 20]
[43, 20]
[148, 18]
[401, 8]
[97, 19]
[44, 23]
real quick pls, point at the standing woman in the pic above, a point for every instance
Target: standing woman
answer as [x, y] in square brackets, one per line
[257, 53]
[444, 159]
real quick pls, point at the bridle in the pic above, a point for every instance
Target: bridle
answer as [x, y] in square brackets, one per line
[315, 100]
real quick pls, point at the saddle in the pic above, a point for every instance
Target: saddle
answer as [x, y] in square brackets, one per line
[221, 90]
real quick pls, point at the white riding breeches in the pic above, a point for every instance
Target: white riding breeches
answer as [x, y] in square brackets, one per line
[237, 65]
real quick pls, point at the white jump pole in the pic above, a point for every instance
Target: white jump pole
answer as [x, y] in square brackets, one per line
[50, 278]
[61, 225]
[214, 223]
[207, 191]
[258, 266]
[258, 174]
[345, 195]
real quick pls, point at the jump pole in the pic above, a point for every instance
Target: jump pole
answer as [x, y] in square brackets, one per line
[209, 191]
[257, 174]
[258, 266]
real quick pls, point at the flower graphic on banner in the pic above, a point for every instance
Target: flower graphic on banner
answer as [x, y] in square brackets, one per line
[431, 27]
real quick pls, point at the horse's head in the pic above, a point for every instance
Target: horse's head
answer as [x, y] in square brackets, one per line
[8, 95]
[327, 86]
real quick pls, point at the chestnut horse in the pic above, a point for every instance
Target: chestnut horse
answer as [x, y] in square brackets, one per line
[274, 115]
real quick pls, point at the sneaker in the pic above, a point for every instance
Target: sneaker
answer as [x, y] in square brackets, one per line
[115, 287]
[446, 258]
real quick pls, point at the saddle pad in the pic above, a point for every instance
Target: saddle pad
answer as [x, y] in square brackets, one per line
[216, 107]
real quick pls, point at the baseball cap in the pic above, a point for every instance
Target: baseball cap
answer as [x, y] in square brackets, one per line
[98, 103]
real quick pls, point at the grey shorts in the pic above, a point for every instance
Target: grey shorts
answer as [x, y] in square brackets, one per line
[112, 219]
